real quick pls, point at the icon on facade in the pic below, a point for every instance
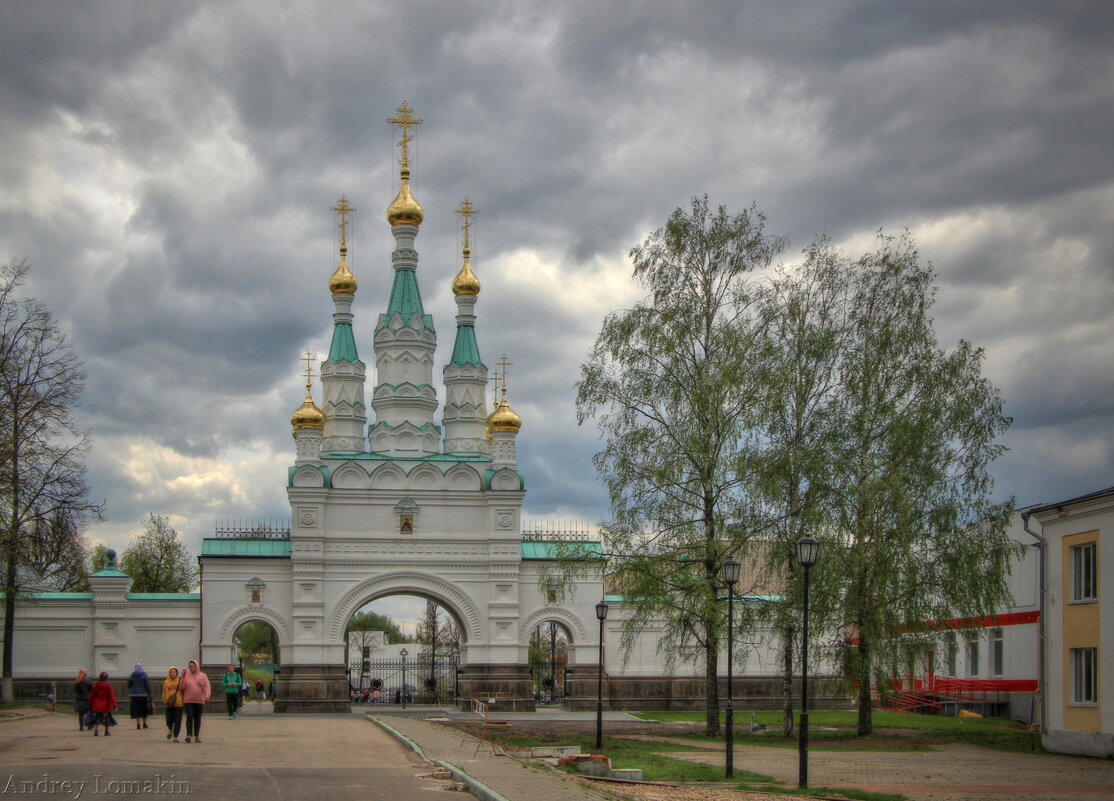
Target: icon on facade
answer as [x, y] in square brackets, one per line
[406, 524]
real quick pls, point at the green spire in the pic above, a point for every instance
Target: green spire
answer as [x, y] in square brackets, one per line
[406, 299]
[343, 347]
[465, 349]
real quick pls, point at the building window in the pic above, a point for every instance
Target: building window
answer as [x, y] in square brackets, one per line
[1084, 672]
[953, 657]
[1084, 576]
[972, 654]
[997, 653]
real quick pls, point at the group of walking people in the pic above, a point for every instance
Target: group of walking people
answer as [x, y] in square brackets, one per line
[183, 695]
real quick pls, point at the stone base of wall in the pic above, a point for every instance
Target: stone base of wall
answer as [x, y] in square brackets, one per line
[507, 688]
[1081, 743]
[312, 688]
[687, 693]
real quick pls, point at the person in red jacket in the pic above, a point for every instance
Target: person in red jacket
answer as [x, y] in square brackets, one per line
[195, 692]
[102, 703]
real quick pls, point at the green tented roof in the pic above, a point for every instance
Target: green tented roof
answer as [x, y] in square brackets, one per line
[406, 298]
[110, 572]
[343, 347]
[163, 596]
[534, 549]
[221, 546]
[466, 350]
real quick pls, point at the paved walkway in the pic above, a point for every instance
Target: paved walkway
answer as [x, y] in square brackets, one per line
[258, 757]
[498, 776]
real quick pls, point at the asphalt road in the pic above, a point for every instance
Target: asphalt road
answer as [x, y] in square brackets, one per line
[257, 757]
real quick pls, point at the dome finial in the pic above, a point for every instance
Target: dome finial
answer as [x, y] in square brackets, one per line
[404, 209]
[504, 417]
[343, 282]
[466, 282]
[308, 415]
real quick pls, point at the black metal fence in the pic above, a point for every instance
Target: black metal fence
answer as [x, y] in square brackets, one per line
[394, 682]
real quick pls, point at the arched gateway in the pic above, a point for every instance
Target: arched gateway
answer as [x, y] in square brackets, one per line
[399, 505]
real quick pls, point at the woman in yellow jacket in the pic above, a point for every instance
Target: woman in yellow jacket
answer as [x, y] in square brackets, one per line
[172, 700]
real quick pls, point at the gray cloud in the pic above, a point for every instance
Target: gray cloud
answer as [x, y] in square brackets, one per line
[169, 170]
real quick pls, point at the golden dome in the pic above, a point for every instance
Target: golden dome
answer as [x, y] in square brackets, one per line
[342, 281]
[504, 418]
[404, 209]
[466, 282]
[307, 415]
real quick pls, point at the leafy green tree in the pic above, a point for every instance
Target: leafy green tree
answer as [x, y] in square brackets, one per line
[98, 558]
[158, 561]
[921, 539]
[256, 642]
[43, 491]
[371, 621]
[806, 312]
[671, 384]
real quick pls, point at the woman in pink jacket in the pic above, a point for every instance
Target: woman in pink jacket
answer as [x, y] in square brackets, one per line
[195, 692]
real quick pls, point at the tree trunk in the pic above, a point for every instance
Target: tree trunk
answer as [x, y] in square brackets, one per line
[711, 684]
[866, 722]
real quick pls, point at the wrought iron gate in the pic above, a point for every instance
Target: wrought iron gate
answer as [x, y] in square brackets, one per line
[394, 682]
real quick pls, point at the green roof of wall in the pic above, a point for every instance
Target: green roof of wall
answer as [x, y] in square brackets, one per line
[109, 571]
[56, 596]
[163, 596]
[466, 350]
[221, 546]
[533, 549]
[343, 347]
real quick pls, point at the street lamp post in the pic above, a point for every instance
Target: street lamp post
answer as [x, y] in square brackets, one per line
[806, 557]
[402, 697]
[730, 577]
[601, 615]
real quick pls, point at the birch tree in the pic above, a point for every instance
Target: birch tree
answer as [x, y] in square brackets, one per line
[671, 383]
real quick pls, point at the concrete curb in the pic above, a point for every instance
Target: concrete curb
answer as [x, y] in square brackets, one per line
[475, 786]
[402, 738]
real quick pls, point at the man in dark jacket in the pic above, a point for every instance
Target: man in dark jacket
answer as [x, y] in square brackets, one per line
[140, 695]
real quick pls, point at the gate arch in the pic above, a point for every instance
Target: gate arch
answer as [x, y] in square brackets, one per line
[413, 583]
[263, 614]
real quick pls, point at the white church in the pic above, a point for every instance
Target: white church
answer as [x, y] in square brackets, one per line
[395, 505]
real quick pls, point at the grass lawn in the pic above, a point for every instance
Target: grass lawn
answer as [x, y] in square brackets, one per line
[830, 726]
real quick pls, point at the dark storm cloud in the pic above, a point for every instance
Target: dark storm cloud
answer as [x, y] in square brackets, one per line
[170, 169]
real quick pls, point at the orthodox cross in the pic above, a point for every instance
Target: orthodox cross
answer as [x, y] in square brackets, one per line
[466, 211]
[404, 121]
[308, 358]
[343, 209]
[504, 363]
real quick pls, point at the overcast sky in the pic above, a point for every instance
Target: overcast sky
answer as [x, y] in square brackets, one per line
[168, 169]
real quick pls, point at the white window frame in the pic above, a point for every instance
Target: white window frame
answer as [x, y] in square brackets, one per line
[997, 652]
[1084, 572]
[971, 655]
[1084, 677]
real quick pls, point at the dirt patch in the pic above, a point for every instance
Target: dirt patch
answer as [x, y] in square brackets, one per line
[22, 712]
[555, 732]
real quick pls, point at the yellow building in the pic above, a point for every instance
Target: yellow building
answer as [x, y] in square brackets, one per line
[1079, 623]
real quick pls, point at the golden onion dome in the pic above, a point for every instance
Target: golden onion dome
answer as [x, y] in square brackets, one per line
[466, 282]
[342, 281]
[307, 415]
[404, 209]
[504, 418]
